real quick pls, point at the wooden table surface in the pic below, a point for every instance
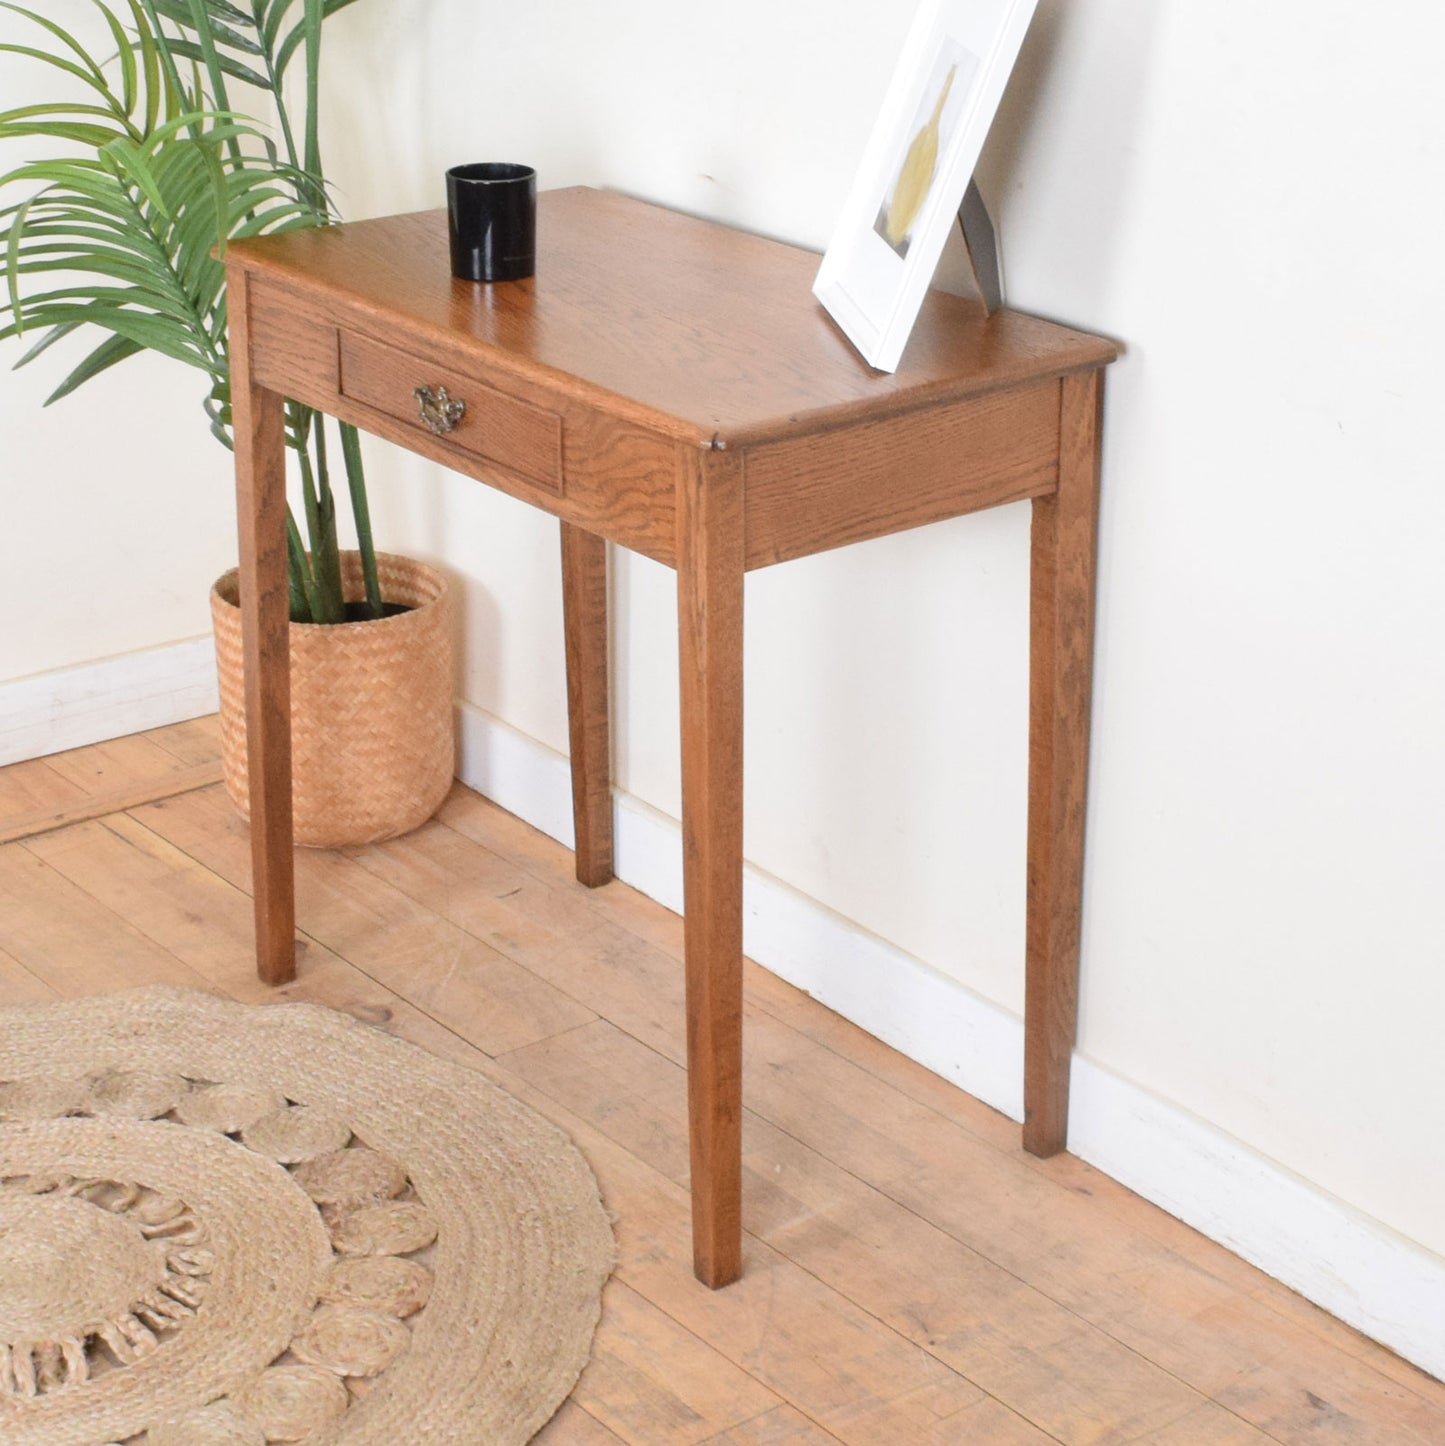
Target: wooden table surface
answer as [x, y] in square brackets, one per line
[697, 329]
[670, 385]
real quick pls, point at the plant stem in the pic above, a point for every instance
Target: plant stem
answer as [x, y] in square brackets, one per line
[300, 585]
[325, 552]
[361, 513]
[324, 609]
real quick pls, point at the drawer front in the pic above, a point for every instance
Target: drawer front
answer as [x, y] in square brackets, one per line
[498, 428]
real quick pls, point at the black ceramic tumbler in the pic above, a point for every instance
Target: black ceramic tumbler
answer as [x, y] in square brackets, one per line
[492, 215]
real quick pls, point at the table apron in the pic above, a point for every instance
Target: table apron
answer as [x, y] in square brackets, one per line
[614, 477]
[851, 483]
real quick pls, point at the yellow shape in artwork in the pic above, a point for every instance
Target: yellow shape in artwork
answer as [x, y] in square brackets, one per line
[916, 174]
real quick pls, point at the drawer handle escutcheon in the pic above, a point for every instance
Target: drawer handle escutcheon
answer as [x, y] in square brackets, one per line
[438, 410]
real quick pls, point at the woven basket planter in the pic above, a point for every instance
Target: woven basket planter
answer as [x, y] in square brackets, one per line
[372, 750]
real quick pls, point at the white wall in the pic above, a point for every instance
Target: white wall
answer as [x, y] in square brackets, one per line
[1250, 198]
[115, 503]
[1262, 939]
[117, 513]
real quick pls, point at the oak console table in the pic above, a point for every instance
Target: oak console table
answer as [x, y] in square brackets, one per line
[670, 385]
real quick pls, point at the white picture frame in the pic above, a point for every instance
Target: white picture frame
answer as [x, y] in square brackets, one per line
[883, 253]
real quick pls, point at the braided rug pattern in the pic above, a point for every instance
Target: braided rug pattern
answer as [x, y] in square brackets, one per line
[227, 1225]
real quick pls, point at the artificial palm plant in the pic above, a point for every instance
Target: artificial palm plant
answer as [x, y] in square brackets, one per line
[150, 173]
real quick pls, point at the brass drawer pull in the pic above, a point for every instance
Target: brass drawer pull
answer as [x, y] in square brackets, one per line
[490, 426]
[438, 410]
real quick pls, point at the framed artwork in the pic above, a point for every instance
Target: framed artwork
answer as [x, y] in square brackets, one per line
[918, 164]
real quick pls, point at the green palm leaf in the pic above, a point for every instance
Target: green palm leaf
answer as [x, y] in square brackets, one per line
[114, 349]
[87, 70]
[55, 334]
[127, 236]
[228, 64]
[297, 36]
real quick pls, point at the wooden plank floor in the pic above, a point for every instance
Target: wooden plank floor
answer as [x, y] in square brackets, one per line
[911, 1275]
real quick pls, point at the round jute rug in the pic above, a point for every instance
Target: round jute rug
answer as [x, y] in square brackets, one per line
[226, 1225]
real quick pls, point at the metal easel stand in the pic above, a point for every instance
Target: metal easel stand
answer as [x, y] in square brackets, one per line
[981, 241]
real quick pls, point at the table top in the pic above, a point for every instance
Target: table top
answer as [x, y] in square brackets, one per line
[703, 328]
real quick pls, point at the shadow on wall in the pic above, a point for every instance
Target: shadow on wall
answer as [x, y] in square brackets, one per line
[1083, 73]
[477, 635]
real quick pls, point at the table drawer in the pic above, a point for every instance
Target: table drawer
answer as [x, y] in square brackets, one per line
[524, 439]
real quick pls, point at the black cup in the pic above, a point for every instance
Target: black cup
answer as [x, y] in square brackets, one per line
[492, 211]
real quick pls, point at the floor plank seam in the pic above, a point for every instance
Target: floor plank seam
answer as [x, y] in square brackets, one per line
[540, 875]
[20, 827]
[909, 1210]
[66, 881]
[396, 996]
[762, 1243]
[1110, 1386]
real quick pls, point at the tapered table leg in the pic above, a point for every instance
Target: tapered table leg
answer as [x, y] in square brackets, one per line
[1061, 622]
[710, 626]
[584, 614]
[265, 620]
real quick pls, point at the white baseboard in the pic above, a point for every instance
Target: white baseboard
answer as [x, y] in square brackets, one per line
[1355, 1267]
[71, 707]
